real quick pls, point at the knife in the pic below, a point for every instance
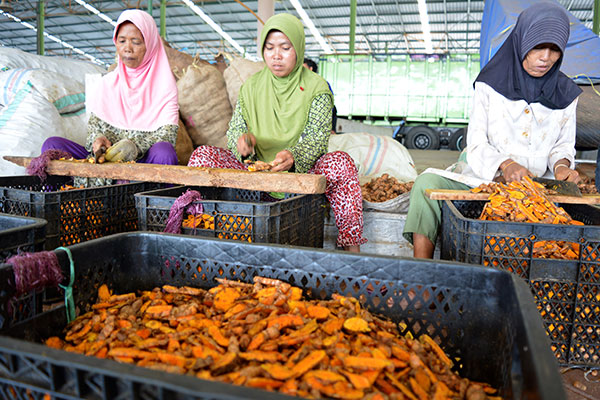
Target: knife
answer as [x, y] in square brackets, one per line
[560, 187]
[252, 155]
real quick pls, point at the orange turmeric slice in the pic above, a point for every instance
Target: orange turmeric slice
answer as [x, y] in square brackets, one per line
[356, 324]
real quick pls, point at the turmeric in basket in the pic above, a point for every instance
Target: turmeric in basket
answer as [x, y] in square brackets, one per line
[525, 201]
[266, 335]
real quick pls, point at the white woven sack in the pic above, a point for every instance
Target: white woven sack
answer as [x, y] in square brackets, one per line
[239, 70]
[398, 205]
[74, 127]
[66, 94]
[11, 58]
[25, 124]
[375, 155]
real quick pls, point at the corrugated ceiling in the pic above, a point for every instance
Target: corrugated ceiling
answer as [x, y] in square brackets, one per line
[382, 25]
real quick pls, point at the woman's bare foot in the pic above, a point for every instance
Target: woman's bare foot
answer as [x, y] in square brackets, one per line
[352, 249]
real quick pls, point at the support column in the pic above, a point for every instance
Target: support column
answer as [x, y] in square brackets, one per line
[352, 25]
[163, 19]
[40, 27]
[266, 9]
[149, 7]
[596, 20]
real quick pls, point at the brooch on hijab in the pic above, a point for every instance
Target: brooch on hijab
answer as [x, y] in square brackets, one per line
[301, 88]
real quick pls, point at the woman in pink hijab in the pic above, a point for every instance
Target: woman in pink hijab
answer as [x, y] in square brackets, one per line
[134, 108]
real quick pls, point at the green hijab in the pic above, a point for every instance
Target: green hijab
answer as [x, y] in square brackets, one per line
[276, 109]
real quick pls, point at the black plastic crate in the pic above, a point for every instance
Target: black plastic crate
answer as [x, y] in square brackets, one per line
[484, 319]
[73, 215]
[238, 214]
[567, 292]
[20, 234]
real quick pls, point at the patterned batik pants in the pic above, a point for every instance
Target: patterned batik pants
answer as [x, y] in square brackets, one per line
[342, 189]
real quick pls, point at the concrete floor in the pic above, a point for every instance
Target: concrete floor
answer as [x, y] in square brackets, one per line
[578, 386]
[433, 158]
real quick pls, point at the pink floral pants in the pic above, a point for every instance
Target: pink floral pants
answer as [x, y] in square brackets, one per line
[342, 190]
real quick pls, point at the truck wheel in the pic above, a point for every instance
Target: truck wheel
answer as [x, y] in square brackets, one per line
[422, 138]
[458, 140]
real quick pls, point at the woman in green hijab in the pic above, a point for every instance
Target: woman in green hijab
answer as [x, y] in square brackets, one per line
[283, 117]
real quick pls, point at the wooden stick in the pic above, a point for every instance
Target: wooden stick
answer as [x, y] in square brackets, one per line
[445, 194]
[286, 182]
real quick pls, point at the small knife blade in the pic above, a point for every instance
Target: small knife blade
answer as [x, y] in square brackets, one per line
[560, 187]
[252, 155]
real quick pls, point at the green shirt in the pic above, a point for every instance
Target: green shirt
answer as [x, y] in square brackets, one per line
[313, 142]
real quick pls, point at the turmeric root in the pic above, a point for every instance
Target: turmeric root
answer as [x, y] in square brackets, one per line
[265, 335]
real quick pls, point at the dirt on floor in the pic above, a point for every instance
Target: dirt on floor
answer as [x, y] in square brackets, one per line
[581, 384]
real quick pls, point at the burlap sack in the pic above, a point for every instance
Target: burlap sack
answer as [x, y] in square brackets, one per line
[204, 106]
[239, 70]
[179, 61]
[184, 146]
[220, 63]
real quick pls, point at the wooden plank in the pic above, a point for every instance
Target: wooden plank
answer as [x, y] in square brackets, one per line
[445, 194]
[286, 182]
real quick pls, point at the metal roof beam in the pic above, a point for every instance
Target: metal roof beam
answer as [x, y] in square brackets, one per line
[330, 26]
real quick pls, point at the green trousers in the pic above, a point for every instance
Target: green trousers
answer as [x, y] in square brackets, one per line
[425, 215]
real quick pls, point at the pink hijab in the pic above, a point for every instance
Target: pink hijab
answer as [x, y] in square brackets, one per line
[142, 98]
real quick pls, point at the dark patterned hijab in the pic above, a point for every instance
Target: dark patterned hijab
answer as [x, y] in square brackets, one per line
[544, 22]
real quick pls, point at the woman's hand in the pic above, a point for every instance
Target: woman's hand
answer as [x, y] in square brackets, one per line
[513, 171]
[101, 141]
[283, 161]
[563, 173]
[245, 144]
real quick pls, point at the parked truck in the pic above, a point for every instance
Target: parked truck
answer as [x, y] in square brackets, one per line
[427, 98]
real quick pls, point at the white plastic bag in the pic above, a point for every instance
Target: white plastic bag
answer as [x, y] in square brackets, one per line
[398, 205]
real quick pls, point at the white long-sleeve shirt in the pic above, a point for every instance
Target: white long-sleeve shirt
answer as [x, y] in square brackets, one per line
[533, 135]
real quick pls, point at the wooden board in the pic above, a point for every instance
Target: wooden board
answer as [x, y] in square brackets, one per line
[286, 182]
[444, 194]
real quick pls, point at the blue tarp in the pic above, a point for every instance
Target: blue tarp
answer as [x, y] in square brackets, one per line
[582, 57]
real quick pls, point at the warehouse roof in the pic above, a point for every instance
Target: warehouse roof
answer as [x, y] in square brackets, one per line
[382, 26]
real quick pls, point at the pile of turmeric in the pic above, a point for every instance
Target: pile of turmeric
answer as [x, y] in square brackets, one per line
[235, 227]
[526, 201]
[256, 166]
[265, 335]
[201, 221]
[384, 188]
